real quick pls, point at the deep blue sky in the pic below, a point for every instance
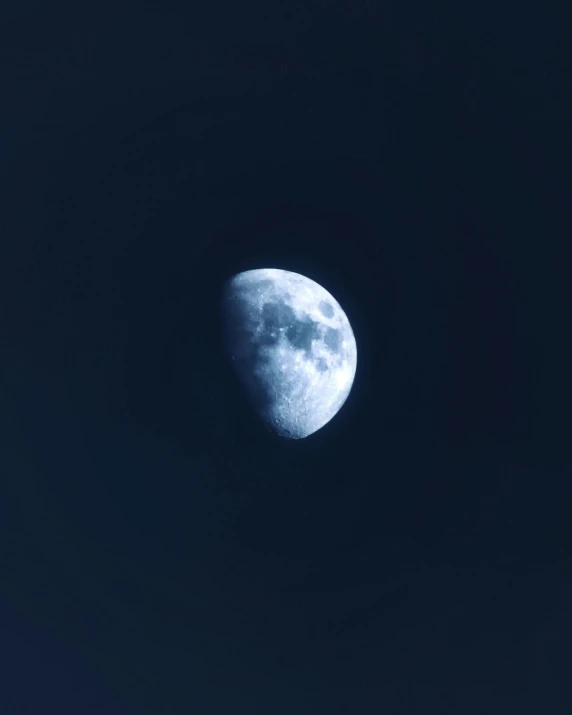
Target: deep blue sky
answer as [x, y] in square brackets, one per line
[160, 552]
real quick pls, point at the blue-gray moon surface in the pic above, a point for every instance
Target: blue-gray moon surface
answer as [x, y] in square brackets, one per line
[291, 346]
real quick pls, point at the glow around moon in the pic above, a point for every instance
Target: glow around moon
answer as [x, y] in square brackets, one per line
[292, 348]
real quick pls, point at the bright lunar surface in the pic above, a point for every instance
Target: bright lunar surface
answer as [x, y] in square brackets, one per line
[292, 347]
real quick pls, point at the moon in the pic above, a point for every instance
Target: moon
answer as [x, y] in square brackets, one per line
[292, 348]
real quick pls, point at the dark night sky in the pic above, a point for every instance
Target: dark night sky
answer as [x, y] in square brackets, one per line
[160, 552]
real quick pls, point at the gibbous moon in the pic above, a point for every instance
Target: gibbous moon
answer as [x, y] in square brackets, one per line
[292, 348]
